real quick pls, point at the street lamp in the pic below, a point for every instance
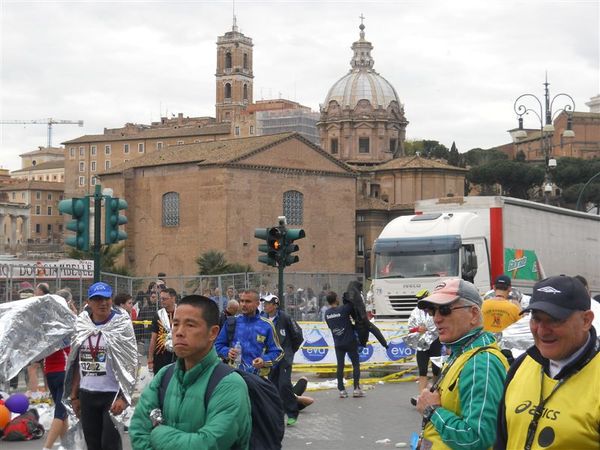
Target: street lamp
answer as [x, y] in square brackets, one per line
[545, 114]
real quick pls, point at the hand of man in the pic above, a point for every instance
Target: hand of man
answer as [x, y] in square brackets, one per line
[428, 398]
[118, 406]
[76, 406]
[258, 363]
[232, 353]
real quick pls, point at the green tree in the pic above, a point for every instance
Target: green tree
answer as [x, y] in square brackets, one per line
[454, 158]
[479, 156]
[590, 195]
[426, 148]
[517, 179]
[213, 262]
[108, 258]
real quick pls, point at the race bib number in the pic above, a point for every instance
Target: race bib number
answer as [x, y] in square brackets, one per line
[92, 366]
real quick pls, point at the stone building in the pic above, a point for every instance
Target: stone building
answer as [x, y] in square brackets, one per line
[188, 199]
[43, 164]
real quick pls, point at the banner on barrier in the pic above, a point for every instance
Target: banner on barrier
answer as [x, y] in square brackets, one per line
[318, 347]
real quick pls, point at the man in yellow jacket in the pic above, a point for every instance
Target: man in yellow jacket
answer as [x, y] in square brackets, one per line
[551, 396]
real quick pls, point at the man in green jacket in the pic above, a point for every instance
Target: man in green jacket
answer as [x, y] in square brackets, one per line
[460, 410]
[225, 423]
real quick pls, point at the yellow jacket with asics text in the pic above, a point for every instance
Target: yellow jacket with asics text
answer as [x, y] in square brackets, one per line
[571, 416]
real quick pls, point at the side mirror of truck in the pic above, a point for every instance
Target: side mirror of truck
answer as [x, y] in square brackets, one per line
[469, 263]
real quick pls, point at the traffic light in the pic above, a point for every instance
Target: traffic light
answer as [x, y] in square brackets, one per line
[272, 249]
[79, 208]
[289, 247]
[112, 220]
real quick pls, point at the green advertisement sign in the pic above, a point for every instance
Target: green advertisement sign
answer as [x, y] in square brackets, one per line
[521, 264]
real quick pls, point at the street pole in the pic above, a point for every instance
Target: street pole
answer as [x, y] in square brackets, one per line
[280, 286]
[583, 189]
[97, 226]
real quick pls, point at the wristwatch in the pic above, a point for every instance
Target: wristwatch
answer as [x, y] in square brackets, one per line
[428, 411]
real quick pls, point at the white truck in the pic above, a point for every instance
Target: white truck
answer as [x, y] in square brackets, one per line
[477, 239]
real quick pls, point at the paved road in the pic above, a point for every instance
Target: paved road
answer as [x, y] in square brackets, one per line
[332, 423]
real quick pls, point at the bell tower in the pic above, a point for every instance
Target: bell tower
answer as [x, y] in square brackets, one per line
[234, 74]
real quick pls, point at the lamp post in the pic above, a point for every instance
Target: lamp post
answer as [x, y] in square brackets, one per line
[526, 103]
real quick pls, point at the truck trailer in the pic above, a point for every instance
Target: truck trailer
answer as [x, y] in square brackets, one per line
[477, 239]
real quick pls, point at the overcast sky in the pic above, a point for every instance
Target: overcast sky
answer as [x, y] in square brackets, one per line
[457, 65]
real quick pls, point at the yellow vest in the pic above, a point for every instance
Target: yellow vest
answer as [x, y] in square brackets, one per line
[498, 314]
[450, 398]
[571, 418]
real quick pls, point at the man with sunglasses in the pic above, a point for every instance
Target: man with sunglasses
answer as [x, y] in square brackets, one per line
[460, 409]
[551, 397]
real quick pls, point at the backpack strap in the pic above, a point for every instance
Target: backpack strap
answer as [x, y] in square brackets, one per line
[164, 383]
[219, 372]
[231, 322]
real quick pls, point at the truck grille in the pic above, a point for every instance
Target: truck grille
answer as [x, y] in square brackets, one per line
[403, 303]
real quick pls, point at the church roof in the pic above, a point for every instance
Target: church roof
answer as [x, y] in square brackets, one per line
[216, 152]
[413, 162]
[155, 133]
[362, 82]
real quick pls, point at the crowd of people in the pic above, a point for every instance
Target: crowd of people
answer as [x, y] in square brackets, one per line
[479, 396]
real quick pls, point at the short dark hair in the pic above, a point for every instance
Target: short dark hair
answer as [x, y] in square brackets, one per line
[210, 310]
[331, 297]
[121, 299]
[44, 288]
[172, 292]
[251, 291]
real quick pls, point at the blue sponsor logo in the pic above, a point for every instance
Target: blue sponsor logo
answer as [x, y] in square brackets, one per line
[399, 350]
[317, 349]
[365, 353]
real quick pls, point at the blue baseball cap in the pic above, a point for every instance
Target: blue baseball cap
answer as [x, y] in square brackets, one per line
[100, 289]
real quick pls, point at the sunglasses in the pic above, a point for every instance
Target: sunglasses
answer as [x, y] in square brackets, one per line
[444, 310]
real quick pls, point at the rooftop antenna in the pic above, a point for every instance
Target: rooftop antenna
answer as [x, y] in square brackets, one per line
[234, 27]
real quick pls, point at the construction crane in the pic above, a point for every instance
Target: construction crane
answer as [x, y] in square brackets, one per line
[49, 122]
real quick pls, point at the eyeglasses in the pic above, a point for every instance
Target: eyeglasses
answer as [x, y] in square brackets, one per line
[444, 310]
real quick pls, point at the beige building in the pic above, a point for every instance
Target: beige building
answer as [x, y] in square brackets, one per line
[192, 198]
[43, 164]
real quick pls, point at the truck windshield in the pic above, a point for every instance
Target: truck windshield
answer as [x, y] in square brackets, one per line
[417, 257]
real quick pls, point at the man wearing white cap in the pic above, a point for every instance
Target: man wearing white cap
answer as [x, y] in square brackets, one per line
[460, 409]
[552, 396]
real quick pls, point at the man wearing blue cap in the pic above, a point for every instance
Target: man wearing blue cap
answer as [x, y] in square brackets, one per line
[551, 394]
[101, 369]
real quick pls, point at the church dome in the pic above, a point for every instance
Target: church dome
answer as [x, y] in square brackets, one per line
[362, 82]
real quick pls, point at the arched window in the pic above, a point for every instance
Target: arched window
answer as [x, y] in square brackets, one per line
[293, 207]
[245, 60]
[245, 92]
[228, 60]
[170, 209]
[227, 90]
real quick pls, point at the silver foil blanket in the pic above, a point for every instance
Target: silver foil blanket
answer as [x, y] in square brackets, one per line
[121, 350]
[517, 336]
[32, 329]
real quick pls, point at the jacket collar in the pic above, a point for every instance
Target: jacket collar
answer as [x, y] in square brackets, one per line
[189, 377]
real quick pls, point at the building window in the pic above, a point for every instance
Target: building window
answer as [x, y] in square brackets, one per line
[363, 145]
[334, 146]
[60, 228]
[23, 196]
[50, 196]
[140, 147]
[93, 166]
[227, 90]
[360, 217]
[393, 144]
[170, 209]
[228, 60]
[49, 210]
[251, 129]
[125, 148]
[38, 210]
[81, 181]
[82, 166]
[38, 228]
[179, 142]
[49, 228]
[245, 60]
[93, 180]
[14, 195]
[81, 151]
[159, 146]
[107, 149]
[293, 207]
[38, 195]
[72, 152]
[53, 177]
[360, 245]
[237, 131]
[93, 150]
[106, 165]
[245, 92]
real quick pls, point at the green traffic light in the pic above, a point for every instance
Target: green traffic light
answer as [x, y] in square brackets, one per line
[79, 208]
[112, 220]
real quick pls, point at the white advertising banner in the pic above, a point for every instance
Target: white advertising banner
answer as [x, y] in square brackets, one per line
[63, 268]
[318, 347]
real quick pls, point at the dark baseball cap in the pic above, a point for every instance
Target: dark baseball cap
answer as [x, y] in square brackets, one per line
[559, 297]
[448, 291]
[502, 281]
[270, 298]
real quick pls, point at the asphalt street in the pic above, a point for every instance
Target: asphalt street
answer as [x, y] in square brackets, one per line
[332, 423]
